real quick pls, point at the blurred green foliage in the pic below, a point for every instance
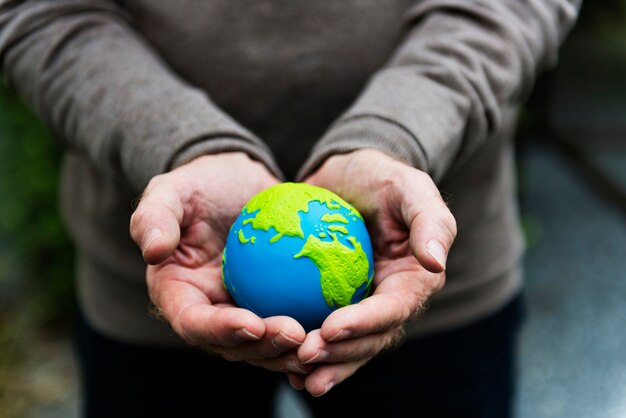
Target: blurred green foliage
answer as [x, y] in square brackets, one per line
[603, 20]
[36, 255]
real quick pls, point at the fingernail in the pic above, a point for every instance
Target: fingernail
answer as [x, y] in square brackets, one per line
[293, 384]
[284, 342]
[340, 335]
[329, 386]
[297, 369]
[319, 357]
[149, 237]
[435, 249]
[245, 335]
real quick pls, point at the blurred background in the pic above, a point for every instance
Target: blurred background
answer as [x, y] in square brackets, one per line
[572, 181]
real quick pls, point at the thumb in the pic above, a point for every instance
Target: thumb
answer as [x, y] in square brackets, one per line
[431, 237]
[155, 224]
[432, 225]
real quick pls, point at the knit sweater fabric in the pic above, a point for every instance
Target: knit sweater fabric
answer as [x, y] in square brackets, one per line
[134, 88]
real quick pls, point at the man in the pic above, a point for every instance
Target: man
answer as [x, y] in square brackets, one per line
[200, 105]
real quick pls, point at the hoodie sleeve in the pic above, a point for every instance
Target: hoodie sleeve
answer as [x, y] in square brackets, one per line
[442, 93]
[104, 92]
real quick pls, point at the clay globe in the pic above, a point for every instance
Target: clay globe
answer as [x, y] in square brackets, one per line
[298, 250]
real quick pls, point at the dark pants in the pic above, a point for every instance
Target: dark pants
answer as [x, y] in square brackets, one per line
[467, 372]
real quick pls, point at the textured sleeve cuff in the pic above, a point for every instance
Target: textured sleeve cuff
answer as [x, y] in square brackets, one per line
[216, 145]
[367, 131]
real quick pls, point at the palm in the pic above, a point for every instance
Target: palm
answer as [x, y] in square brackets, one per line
[197, 260]
[207, 209]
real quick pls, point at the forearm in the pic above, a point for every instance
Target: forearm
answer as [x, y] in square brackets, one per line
[442, 93]
[102, 90]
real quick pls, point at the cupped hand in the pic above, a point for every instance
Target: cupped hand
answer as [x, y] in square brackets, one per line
[181, 225]
[412, 231]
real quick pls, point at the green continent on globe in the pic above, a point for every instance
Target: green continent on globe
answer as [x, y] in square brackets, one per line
[335, 228]
[343, 270]
[243, 239]
[334, 217]
[286, 201]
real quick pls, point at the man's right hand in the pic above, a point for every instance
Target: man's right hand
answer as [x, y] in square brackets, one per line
[181, 225]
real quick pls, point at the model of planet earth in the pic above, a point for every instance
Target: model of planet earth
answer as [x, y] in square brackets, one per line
[298, 250]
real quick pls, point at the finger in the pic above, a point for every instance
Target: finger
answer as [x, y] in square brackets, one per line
[208, 325]
[432, 226]
[398, 298]
[327, 376]
[314, 348]
[296, 380]
[317, 350]
[286, 363]
[191, 315]
[155, 224]
[281, 335]
[285, 333]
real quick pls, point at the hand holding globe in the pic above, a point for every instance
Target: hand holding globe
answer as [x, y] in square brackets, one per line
[411, 230]
[181, 225]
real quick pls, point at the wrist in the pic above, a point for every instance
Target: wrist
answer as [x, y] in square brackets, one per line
[367, 132]
[369, 164]
[223, 146]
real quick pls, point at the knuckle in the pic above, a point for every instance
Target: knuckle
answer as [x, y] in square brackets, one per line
[183, 333]
[450, 223]
[406, 308]
[154, 182]
[181, 325]
[441, 217]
